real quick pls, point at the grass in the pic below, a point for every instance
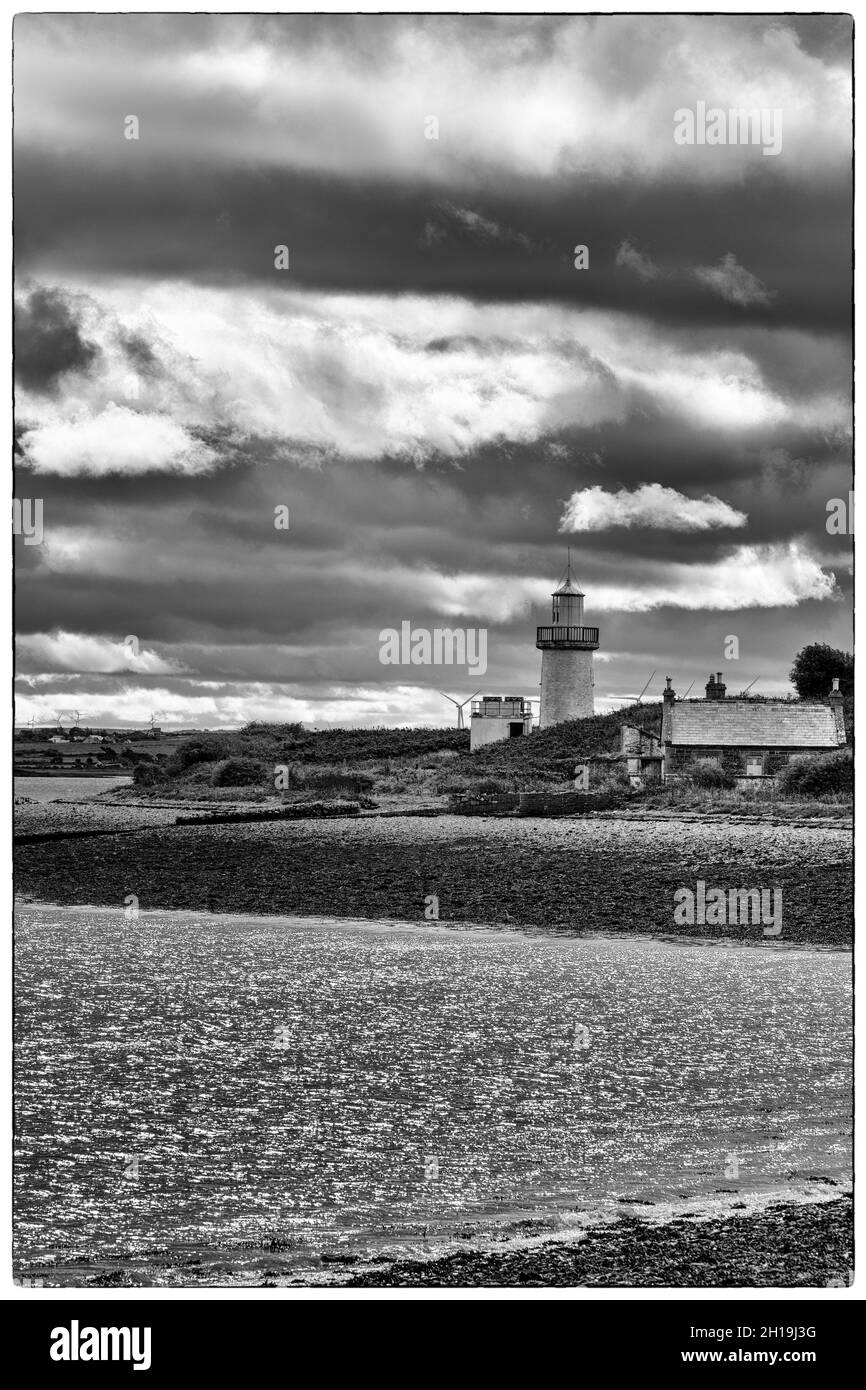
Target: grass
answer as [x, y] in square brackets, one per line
[414, 766]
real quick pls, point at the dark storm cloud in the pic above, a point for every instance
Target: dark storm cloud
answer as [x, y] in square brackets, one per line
[49, 340]
[432, 380]
[153, 220]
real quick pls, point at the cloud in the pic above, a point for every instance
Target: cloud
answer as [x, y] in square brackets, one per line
[755, 576]
[117, 440]
[733, 282]
[232, 704]
[449, 219]
[730, 280]
[652, 506]
[48, 339]
[527, 96]
[366, 375]
[768, 576]
[80, 652]
[629, 258]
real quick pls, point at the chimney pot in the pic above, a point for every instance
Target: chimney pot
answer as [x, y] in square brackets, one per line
[835, 682]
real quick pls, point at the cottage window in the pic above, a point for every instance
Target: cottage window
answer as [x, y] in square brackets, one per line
[754, 765]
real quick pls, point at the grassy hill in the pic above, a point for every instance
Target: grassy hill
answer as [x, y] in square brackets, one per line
[550, 753]
[383, 766]
[419, 762]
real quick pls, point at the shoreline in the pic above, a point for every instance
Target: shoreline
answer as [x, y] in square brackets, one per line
[428, 928]
[786, 1245]
[746, 1235]
[553, 877]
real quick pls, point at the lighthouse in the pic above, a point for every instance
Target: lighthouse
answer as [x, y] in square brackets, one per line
[566, 647]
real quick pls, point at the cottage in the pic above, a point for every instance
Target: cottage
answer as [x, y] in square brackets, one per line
[750, 739]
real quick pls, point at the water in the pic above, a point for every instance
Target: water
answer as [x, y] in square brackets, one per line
[45, 789]
[246, 1094]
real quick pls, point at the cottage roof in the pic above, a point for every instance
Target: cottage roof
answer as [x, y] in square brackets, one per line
[755, 724]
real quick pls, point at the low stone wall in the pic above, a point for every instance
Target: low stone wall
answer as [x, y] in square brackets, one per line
[504, 804]
[563, 803]
[301, 810]
[536, 804]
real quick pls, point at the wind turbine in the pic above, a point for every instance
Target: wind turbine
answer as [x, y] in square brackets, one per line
[749, 686]
[459, 705]
[685, 697]
[645, 689]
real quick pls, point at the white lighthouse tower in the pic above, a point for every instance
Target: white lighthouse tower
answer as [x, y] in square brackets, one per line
[566, 648]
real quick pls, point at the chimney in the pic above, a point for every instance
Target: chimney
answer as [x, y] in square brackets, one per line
[715, 687]
[836, 701]
[668, 699]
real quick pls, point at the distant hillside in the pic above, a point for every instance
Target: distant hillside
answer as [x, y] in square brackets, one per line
[344, 745]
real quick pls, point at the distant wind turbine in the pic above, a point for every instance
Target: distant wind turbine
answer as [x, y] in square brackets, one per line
[646, 688]
[459, 704]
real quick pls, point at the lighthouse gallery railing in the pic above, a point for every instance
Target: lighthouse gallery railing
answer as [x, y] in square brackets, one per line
[567, 636]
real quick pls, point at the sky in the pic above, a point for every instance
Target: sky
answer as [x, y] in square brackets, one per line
[423, 378]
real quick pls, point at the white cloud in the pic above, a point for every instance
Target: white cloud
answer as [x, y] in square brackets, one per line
[232, 705]
[565, 96]
[117, 440]
[357, 375]
[751, 576]
[629, 258]
[448, 216]
[652, 506]
[733, 282]
[79, 652]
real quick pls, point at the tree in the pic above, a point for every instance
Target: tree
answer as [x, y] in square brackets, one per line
[147, 775]
[815, 668]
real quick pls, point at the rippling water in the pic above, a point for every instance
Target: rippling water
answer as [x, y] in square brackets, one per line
[214, 1097]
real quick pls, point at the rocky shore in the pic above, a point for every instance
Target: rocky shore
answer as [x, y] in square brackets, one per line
[554, 876]
[787, 1245]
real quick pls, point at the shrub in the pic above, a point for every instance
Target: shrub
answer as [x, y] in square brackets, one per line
[147, 775]
[191, 751]
[826, 775]
[712, 779]
[337, 781]
[257, 728]
[237, 772]
[609, 778]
